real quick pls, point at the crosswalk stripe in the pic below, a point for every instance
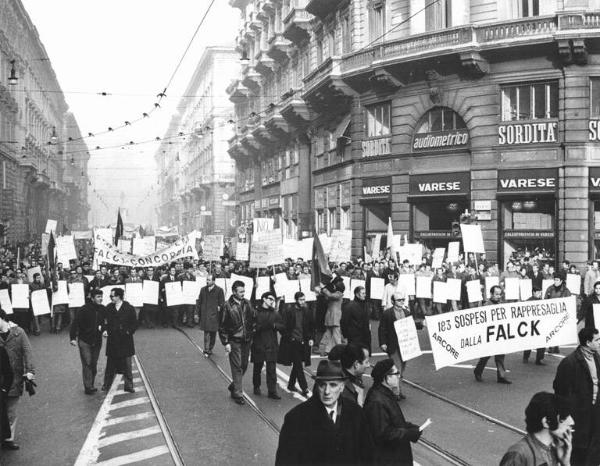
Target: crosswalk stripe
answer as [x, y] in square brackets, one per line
[135, 380]
[127, 403]
[130, 418]
[135, 457]
[112, 439]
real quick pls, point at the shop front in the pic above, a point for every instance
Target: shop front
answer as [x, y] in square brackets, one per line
[376, 202]
[527, 213]
[436, 202]
[594, 194]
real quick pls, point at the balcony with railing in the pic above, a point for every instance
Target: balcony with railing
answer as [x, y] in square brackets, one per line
[275, 122]
[324, 88]
[264, 63]
[322, 8]
[294, 109]
[237, 92]
[279, 47]
[251, 78]
[296, 23]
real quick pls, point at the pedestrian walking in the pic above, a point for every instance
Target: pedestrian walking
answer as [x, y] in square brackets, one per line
[210, 302]
[392, 434]
[86, 334]
[120, 324]
[169, 312]
[577, 380]
[265, 345]
[355, 324]
[187, 310]
[325, 429]
[236, 329]
[14, 340]
[334, 292]
[6, 381]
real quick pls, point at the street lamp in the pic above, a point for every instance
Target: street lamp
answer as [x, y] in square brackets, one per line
[12, 79]
[53, 137]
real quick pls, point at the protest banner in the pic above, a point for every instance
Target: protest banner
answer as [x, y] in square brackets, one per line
[263, 284]
[51, 226]
[242, 251]
[144, 246]
[107, 253]
[106, 290]
[167, 232]
[472, 238]
[76, 295]
[473, 333]
[408, 340]
[423, 288]
[5, 301]
[39, 303]
[104, 234]
[438, 258]
[212, 249]
[511, 288]
[20, 296]
[174, 293]
[525, 289]
[440, 292]
[489, 283]
[150, 292]
[406, 283]
[574, 283]
[65, 250]
[453, 251]
[474, 291]
[340, 246]
[309, 294]
[134, 294]
[453, 288]
[124, 246]
[61, 295]
[377, 287]
[190, 291]
[262, 224]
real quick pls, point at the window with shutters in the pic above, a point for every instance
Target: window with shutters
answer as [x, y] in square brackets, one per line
[377, 20]
[346, 34]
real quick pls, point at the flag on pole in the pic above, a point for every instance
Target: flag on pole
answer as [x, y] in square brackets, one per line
[51, 251]
[320, 265]
[119, 229]
[390, 240]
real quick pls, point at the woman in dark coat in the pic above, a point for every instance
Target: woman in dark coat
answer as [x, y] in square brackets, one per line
[6, 380]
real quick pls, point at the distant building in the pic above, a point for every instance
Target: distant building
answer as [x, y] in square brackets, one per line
[43, 173]
[196, 174]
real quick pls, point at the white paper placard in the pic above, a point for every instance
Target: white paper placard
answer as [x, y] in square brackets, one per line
[596, 313]
[347, 289]
[89, 278]
[438, 258]
[106, 293]
[5, 301]
[222, 283]
[546, 283]
[190, 290]
[134, 294]
[212, 249]
[308, 292]
[511, 288]
[355, 283]
[20, 296]
[423, 287]
[50, 226]
[32, 271]
[76, 295]
[453, 251]
[61, 295]
[377, 287]
[454, 288]
[440, 292]
[489, 283]
[242, 251]
[174, 293]
[474, 291]
[574, 283]
[525, 289]
[472, 238]
[39, 303]
[150, 292]
[263, 285]
[201, 281]
[291, 288]
[408, 340]
[248, 284]
[406, 282]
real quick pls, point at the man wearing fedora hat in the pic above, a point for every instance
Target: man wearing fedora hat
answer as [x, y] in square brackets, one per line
[325, 429]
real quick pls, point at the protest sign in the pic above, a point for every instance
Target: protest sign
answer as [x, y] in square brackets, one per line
[423, 288]
[453, 251]
[440, 292]
[501, 328]
[291, 287]
[309, 294]
[89, 278]
[174, 293]
[201, 281]
[290, 248]
[190, 291]
[134, 294]
[144, 246]
[268, 236]
[489, 283]
[45, 241]
[20, 296]
[259, 255]
[438, 258]
[104, 234]
[474, 291]
[340, 246]
[347, 289]
[39, 303]
[263, 284]
[212, 249]
[525, 289]
[242, 251]
[76, 295]
[546, 283]
[150, 292]
[65, 250]
[222, 283]
[354, 283]
[411, 252]
[408, 340]
[50, 226]
[279, 285]
[5, 301]
[376, 246]
[61, 295]
[32, 271]
[406, 283]
[472, 238]
[511, 288]
[106, 290]
[574, 283]
[248, 284]
[262, 224]
[453, 289]
[596, 313]
[305, 249]
[377, 287]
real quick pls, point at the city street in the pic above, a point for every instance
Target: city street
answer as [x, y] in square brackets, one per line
[192, 398]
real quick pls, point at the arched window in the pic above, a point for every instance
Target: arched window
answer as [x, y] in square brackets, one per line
[440, 119]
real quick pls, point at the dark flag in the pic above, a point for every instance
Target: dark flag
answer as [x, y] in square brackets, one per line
[142, 231]
[65, 230]
[119, 230]
[51, 251]
[320, 266]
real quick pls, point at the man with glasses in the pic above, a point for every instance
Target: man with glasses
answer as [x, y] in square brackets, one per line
[355, 361]
[120, 325]
[86, 334]
[391, 432]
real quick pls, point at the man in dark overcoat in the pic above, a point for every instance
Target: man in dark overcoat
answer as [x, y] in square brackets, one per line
[587, 308]
[296, 341]
[355, 320]
[325, 429]
[210, 302]
[577, 380]
[120, 324]
[265, 344]
[6, 381]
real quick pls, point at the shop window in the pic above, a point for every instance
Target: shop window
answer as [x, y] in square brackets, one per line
[595, 97]
[529, 215]
[437, 216]
[440, 119]
[538, 101]
[378, 120]
[438, 14]
[377, 19]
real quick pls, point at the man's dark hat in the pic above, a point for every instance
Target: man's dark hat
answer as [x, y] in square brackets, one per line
[559, 275]
[329, 370]
[381, 369]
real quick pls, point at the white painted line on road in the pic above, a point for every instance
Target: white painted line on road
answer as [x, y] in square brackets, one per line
[89, 452]
[284, 380]
[560, 356]
[136, 457]
[112, 439]
[135, 380]
[130, 418]
[127, 403]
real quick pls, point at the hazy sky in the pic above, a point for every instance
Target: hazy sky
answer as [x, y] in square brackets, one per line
[128, 48]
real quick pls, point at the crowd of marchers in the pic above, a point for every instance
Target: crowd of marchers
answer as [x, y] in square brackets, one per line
[350, 423]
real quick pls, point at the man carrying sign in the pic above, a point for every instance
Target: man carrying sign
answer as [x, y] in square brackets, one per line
[495, 298]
